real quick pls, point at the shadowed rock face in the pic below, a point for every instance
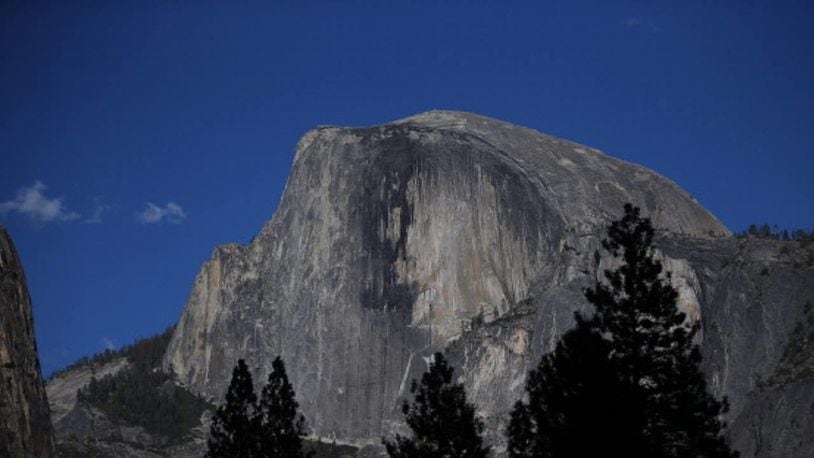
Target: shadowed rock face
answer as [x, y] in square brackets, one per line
[25, 424]
[431, 233]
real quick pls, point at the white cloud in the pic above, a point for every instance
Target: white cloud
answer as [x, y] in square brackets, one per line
[99, 208]
[108, 344]
[153, 213]
[643, 24]
[631, 22]
[32, 203]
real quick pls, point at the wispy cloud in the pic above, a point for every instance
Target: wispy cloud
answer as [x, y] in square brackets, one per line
[152, 213]
[107, 343]
[99, 209]
[32, 203]
[642, 24]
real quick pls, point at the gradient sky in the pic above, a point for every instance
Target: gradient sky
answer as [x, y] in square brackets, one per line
[137, 136]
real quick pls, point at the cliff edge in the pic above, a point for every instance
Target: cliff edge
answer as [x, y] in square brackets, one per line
[25, 423]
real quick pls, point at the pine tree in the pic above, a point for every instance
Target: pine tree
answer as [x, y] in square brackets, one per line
[234, 431]
[444, 424]
[641, 349]
[280, 426]
[574, 403]
[653, 348]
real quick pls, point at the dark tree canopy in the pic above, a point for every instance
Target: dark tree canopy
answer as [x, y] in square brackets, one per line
[444, 424]
[575, 400]
[773, 232]
[243, 427]
[234, 433]
[280, 426]
[629, 376]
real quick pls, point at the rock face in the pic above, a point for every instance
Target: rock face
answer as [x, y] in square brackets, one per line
[450, 231]
[25, 424]
[62, 393]
[88, 428]
[88, 431]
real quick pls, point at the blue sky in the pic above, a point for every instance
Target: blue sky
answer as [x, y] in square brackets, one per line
[137, 136]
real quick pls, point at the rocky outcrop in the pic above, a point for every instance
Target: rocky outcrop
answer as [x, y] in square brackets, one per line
[62, 391]
[451, 231]
[753, 296]
[25, 425]
[84, 429]
[770, 288]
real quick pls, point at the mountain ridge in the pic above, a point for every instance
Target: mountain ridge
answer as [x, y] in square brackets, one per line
[445, 210]
[452, 232]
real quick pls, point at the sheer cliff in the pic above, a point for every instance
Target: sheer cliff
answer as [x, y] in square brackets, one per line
[25, 424]
[451, 231]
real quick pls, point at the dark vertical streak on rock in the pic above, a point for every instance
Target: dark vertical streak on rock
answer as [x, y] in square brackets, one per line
[384, 190]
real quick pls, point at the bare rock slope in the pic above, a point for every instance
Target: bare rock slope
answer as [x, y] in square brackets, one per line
[451, 231]
[25, 424]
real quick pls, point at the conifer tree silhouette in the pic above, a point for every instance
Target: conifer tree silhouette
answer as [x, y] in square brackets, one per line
[575, 402]
[245, 428]
[652, 400]
[280, 427]
[233, 432]
[444, 424]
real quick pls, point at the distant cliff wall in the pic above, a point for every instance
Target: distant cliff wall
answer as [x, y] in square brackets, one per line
[25, 423]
